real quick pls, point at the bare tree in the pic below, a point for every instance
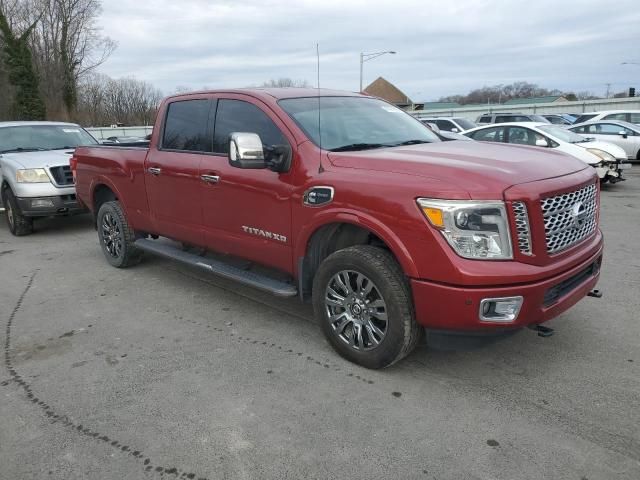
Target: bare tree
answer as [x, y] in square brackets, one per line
[286, 82]
[67, 44]
[104, 101]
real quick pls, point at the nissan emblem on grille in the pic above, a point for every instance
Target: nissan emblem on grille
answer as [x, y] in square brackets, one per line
[579, 213]
[570, 217]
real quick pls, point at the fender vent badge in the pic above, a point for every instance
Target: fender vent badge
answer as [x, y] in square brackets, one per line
[318, 196]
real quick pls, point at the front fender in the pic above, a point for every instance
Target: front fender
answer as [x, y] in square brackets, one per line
[362, 220]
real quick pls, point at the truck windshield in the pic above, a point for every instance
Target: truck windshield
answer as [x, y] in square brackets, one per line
[355, 123]
[43, 137]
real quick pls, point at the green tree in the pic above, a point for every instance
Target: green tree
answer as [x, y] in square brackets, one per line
[28, 102]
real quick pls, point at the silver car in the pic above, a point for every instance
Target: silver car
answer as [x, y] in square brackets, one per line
[624, 134]
[35, 176]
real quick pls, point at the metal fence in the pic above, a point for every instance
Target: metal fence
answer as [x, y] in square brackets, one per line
[581, 106]
[102, 133]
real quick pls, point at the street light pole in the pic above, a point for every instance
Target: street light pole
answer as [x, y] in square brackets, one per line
[365, 57]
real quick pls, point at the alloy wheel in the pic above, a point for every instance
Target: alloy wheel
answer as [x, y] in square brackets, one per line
[111, 235]
[356, 310]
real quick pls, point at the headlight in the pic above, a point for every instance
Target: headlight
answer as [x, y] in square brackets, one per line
[32, 175]
[602, 155]
[475, 229]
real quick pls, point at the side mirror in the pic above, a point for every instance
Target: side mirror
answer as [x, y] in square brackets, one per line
[245, 150]
[455, 130]
[541, 142]
[622, 133]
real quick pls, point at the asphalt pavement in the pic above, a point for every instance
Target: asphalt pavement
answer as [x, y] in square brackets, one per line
[161, 371]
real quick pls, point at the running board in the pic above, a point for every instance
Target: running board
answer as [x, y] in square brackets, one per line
[261, 282]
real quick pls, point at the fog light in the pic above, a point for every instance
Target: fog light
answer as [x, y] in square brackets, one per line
[41, 203]
[500, 310]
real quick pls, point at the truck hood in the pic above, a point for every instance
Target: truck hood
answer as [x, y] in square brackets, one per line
[482, 169]
[47, 158]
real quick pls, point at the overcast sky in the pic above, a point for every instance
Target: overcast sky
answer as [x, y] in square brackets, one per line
[443, 47]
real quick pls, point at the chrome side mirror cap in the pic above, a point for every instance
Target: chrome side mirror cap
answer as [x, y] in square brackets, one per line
[541, 142]
[246, 151]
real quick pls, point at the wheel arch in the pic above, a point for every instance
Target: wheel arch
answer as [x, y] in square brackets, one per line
[342, 231]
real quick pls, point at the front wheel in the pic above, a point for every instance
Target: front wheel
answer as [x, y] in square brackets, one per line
[19, 225]
[116, 236]
[363, 303]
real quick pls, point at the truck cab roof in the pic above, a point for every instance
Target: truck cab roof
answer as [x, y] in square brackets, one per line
[277, 93]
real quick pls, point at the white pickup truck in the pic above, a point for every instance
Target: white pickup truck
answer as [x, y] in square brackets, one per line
[35, 177]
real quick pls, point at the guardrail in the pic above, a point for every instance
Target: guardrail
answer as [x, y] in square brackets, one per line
[581, 106]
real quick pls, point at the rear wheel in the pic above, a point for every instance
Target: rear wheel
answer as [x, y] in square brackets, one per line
[363, 302]
[116, 236]
[19, 225]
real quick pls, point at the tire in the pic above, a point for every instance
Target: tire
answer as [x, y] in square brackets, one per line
[116, 236]
[19, 225]
[377, 294]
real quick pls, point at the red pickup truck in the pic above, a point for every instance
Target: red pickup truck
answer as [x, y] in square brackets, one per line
[351, 202]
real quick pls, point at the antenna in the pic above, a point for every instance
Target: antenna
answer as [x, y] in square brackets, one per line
[320, 167]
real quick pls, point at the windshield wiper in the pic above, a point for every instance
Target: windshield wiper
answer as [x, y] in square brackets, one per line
[411, 142]
[359, 146]
[21, 149]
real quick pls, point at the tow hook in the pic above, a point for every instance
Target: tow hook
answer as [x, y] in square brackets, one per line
[542, 330]
[595, 293]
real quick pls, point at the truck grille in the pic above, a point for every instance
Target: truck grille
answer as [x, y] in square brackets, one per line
[62, 175]
[522, 227]
[569, 218]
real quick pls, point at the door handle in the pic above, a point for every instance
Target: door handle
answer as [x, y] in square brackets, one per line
[210, 178]
[154, 170]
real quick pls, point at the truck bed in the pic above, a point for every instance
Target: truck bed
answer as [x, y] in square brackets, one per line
[121, 168]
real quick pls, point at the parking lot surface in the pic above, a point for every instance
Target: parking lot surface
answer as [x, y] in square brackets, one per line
[160, 371]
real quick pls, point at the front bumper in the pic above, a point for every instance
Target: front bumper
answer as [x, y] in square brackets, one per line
[50, 205]
[456, 309]
[612, 170]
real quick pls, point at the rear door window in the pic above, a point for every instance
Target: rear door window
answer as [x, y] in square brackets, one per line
[608, 129]
[484, 119]
[186, 126]
[495, 134]
[616, 116]
[634, 118]
[523, 136]
[445, 125]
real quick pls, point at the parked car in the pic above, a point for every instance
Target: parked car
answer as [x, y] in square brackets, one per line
[624, 134]
[357, 206]
[560, 119]
[606, 158]
[509, 118]
[631, 116]
[35, 176]
[450, 124]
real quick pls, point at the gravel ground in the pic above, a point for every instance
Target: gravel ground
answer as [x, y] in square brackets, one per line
[160, 371]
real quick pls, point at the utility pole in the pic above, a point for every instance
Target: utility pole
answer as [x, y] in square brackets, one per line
[608, 88]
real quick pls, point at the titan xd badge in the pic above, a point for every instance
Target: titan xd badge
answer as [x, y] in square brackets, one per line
[318, 196]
